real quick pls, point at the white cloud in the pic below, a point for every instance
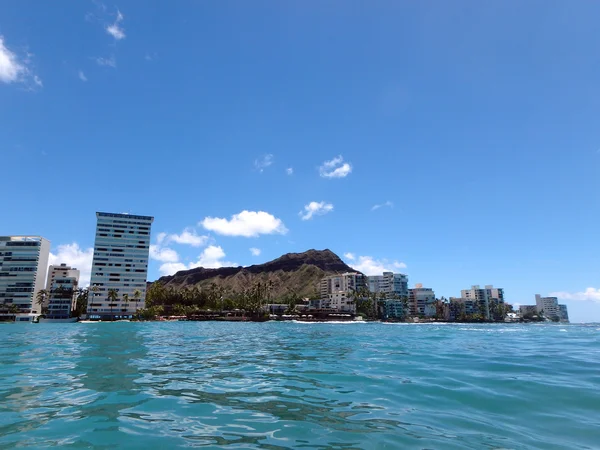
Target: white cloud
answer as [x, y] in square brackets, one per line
[108, 62]
[82, 76]
[115, 29]
[289, 171]
[188, 236]
[160, 237]
[388, 204]
[171, 268]
[370, 266]
[255, 251]
[590, 294]
[77, 257]
[212, 258]
[262, 163]
[246, 223]
[336, 168]
[315, 209]
[349, 256]
[15, 69]
[165, 254]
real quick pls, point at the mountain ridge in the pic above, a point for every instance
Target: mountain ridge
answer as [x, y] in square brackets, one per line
[292, 272]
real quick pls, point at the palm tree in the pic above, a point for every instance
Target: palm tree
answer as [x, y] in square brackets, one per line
[81, 302]
[126, 301]
[41, 298]
[113, 296]
[137, 294]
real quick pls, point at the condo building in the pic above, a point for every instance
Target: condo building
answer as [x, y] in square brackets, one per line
[548, 306]
[61, 286]
[120, 265]
[421, 301]
[485, 299]
[23, 263]
[345, 282]
[391, 284]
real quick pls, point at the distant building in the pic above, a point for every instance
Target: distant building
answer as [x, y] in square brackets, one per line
[460, 308]
[392, 309]
[421, 301]
[337, 302]
[527, 310]
[120, 262]
[391, 284]
[338, 293]
[563, 313]
[345, 282]
[547, 306]
[486, 298]
[61, 285]
[23, 263]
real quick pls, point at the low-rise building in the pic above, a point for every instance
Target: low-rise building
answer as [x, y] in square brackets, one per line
[527, 310]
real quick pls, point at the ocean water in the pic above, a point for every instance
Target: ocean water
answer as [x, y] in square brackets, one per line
[296, 385]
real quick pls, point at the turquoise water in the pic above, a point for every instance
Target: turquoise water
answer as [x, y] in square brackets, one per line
[287, 385]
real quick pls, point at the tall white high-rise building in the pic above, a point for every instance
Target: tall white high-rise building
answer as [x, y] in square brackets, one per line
[61, 285]
[120, 263]
[23, 263]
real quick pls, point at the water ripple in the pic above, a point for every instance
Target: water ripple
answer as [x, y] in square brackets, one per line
[286, 385]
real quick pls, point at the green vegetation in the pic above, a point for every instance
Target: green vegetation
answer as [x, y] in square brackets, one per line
[214, 300]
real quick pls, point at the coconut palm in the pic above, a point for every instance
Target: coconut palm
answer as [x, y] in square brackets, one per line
[125, 300]
[81, 302]
[113, 297]
[41, 298]
[137, 294]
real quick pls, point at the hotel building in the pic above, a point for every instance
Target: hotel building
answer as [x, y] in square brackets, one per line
[120, 263]
[23, 263]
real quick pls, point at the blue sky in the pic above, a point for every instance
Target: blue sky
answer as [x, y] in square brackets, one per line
[279, 126]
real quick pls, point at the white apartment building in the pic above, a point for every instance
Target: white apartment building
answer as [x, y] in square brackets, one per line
[421, 301]
[61, 285]
[345, 282]
[486, 297]
[391, 284]
[339, 302]
[120, 262]
[548, 306]
[23, 263]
